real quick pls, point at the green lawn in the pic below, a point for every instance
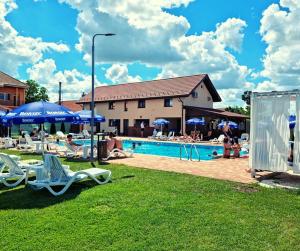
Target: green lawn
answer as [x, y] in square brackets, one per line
[150, 210]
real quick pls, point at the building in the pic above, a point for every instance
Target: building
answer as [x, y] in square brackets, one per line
[72, 105]
[125, 106]
[12, 92]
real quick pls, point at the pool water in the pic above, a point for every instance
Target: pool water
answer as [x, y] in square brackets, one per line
[168, 149]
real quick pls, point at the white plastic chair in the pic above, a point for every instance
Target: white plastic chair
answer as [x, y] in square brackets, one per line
[16, 171]
[60, 135]
[56, 175]
[86, 134]
[218, 140]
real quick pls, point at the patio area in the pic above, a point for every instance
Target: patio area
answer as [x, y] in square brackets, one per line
[222, 169]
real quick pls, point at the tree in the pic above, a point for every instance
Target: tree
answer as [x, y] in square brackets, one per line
[35, 92]
[247, 97]
[239, 110]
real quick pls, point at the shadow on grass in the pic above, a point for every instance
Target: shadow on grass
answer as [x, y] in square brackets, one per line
[26, 198]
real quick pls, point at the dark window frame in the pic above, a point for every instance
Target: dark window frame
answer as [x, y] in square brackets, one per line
[142, 103]
[125, 106]
[111, 105]
[168, 102]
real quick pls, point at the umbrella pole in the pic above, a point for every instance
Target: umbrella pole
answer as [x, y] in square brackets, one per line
[42, 137]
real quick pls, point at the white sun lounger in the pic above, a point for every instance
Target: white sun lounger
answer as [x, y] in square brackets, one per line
[60, 135]
[86, 134]
[56, 175]
[16, 171]
[117, 153]
[218, 140]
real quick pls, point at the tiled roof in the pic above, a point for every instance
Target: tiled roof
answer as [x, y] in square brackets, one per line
[178, 87]
[10, 81]
[211, 111]
[72, 105]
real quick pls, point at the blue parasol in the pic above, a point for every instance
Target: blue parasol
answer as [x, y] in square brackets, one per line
[39, 113]
[195, 121]
[2, 113]
[160, 122]
[231, 124]
[86, 115]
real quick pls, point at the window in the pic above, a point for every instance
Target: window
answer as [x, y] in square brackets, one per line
[111, 122]
[208, 98]
[111, 105]
[168, 102]
[195, 94]
[4, 96]
[142, 103]
[125, 106]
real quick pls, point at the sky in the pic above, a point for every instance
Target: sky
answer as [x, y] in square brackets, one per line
[241, 44]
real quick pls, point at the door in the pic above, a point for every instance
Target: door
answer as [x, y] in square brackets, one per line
[125, 127]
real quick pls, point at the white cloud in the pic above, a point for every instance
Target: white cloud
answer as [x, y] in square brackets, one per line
[267, 86]
[144, 30]
[231, 34]
[146, 33]
[280, 30]
[17, 49]
[73, 81]
[207, 53]
[118, 74]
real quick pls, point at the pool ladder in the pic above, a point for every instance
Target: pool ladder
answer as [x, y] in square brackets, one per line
[189, 154]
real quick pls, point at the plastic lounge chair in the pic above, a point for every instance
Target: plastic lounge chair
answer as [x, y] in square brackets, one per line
[86, 134]
[218, 140]
[7, 143]
[16, 171]
[244, 137]
[72, 152]
[60, 135]
[56, 175]
[153, 135]
[35, 144]
[117, 153]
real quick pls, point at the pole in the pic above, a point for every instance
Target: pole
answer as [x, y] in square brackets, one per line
[59, 94]
[93, 101]
[93, 92]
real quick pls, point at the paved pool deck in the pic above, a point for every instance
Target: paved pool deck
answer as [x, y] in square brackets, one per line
[223, 169]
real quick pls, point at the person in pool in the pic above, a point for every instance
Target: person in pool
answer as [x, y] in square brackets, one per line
[227, 148]
[236, 147]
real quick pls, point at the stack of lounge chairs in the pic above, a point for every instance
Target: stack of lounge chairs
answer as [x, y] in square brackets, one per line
[48, 175]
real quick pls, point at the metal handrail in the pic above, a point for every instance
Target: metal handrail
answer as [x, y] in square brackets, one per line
[187, 154]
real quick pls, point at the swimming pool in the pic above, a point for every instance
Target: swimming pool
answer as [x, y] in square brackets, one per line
[168, 149]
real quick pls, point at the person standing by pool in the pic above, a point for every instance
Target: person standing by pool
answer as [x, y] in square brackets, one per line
[226, 130]
[236, 147]
[227, 148]
[142, 125]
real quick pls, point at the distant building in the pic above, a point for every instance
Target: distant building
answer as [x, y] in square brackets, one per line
[125, 106]
[72, 105]
[12, 92]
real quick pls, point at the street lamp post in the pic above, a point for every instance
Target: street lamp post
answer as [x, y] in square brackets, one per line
[93, 91]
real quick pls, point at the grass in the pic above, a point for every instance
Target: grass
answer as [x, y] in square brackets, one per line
[150, 210]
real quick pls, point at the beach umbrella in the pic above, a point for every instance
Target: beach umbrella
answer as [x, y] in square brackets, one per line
[86, 115]
[195, 122]
[231, 124]
[160, 122]
[2, 113]
[39, 113]
[292, 121]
